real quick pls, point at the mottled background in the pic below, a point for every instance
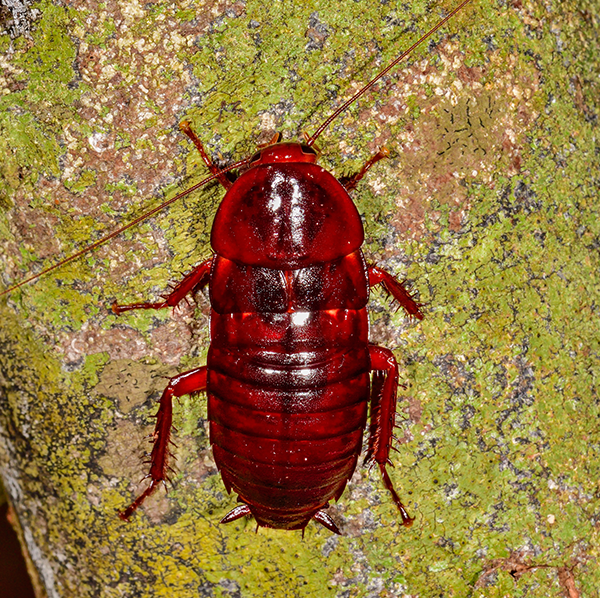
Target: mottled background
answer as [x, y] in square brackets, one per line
[488, 205]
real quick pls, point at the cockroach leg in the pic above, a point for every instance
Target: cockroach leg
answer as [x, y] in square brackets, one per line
[396, 290]
[383, 409]
[186, 127]
[350, 182]
[183, 384]
[192, 282]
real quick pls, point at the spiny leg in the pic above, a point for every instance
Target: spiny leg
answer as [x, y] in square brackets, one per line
[186, 128]
[184, 384]
[350, 183]
[383, 411]
[396, 289]
[193, 281]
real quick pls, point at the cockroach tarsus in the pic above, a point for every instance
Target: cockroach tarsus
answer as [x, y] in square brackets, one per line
[291, 377]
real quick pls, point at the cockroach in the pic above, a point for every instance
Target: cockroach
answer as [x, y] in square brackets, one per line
[290, 374]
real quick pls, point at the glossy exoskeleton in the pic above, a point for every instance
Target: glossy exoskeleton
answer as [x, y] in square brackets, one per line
[291, 375]
[289, 365]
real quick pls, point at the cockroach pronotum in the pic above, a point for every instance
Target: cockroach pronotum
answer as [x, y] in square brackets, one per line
[290, 374]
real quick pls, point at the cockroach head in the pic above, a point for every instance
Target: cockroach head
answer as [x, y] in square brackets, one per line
[288, 152]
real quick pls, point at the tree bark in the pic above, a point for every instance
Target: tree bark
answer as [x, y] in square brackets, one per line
[488, 205]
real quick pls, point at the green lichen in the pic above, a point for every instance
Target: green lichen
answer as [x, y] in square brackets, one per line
[31, 117]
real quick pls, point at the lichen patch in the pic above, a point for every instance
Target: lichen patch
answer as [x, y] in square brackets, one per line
[132, 382]
[119, 343]
[468, 125]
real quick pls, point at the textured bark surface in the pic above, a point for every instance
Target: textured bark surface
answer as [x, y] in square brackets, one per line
[488, 204]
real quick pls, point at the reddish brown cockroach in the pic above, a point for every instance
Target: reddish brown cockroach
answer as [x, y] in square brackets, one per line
[289, 368]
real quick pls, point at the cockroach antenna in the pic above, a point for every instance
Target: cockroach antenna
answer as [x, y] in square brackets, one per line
[219, 174]
[123, 228]
[310, 140]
